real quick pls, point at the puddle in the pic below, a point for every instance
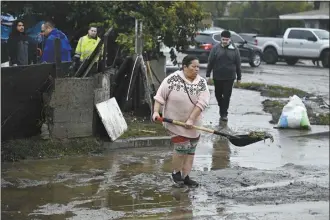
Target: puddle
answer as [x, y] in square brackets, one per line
[297, 211]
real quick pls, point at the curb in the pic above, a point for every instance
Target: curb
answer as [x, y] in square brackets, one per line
[138, 142]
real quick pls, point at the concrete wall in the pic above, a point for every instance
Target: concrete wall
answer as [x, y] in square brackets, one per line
[72, 106]
[22, 88]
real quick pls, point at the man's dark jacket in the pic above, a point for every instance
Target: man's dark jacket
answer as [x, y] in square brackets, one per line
[21, 50]
[225, 63]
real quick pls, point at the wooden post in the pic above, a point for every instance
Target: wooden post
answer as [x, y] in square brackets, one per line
[58, 60]
[138, 37]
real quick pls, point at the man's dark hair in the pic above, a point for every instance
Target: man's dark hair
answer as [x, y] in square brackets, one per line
[225, 34]
[187, 60]
[14, 28]
[49, 24]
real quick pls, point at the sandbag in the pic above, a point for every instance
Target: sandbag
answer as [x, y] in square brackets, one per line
[294, 115]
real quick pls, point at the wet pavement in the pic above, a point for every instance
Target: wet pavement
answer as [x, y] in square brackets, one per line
[286, 179]
[304, 75]
[308, 78]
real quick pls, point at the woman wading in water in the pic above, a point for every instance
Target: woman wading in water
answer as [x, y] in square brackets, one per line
[185, 95]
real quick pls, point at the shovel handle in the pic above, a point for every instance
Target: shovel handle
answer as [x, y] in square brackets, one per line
[161, 119]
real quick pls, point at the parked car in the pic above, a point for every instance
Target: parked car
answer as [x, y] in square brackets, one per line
[205, 40]
[296, 43]
[250, 38]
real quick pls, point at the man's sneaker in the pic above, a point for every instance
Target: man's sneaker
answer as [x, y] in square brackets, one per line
[190, 182]
[177, 178]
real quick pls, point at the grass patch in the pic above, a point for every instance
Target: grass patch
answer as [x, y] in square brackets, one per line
[269, 90]
[142, 127]
[35, 148]
[323, 119]
[272, 90]
[274, 108]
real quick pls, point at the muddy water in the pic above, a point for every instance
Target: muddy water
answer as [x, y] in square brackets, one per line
[287, 179]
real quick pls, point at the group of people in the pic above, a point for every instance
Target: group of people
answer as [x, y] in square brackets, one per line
[24, 51]
[184, 95]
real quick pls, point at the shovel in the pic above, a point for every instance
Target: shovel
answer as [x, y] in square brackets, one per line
[237, 140]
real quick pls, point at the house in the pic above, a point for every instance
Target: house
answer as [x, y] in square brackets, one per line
[313, 19]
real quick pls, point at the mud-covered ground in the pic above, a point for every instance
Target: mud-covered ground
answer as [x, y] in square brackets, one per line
[287, 179]
[136, 185]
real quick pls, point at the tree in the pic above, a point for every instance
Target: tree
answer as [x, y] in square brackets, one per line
[217, 9]
[173, 23]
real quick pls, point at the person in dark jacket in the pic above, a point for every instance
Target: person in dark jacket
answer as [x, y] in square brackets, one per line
[225, 61]
[21, 49]
[48, 54]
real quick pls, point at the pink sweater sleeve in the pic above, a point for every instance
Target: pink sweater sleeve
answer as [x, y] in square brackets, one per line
[204, 97]
[162, 92]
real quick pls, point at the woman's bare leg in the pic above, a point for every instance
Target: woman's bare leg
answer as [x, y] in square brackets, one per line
[187, 165]
[177, 162]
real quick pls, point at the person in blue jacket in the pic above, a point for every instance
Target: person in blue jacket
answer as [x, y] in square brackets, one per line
[51, 33]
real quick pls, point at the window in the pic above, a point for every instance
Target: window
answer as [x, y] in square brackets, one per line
[306, 34]
[217, 37]
[323, 35]
[300, 34]
[203, 39]
[236, 39]
[294, 34]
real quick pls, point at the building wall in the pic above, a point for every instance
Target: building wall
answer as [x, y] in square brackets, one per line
[322, 24]
[312, 23]
[324, 4]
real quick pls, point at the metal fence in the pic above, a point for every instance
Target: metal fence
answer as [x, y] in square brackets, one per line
[265, 26]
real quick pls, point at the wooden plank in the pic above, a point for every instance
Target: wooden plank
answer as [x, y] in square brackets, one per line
[147, 87]
[112, 118]
[58, 59]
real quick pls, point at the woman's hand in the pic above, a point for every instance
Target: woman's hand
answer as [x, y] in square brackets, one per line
[189, 123]
[155, 115]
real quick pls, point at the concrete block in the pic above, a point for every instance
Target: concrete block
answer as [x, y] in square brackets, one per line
[73, 115]
[71, 130]
[102, 88]
[70, 92]
[72, 104]
[101, 96]
[84, 129]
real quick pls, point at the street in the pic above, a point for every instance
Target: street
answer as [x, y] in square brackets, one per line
[302, 76]
[287, 179]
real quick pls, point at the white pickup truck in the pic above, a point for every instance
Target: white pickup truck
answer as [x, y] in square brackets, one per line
[297, 43]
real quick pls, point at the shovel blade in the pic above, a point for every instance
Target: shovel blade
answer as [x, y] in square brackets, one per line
[244, 140]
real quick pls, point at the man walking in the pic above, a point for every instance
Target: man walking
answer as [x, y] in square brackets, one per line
[225, 61]
[48, 55]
